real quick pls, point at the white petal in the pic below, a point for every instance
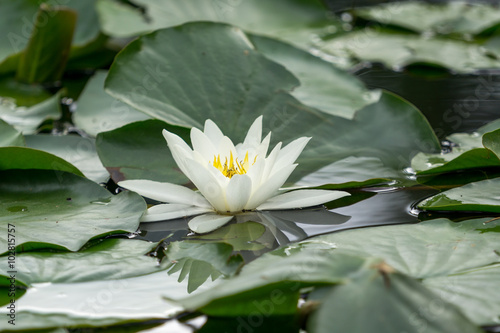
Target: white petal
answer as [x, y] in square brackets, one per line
[269, 187]
[226, 146]
[261, 150]
[202, 144]
[238, 192]
[165, 192]
[171, 211]
[175, 139]
[270, 161]
[208, 222]
[178, 148]
[301, 198]
[290, 152]
[213, 132]
[255, 173]
[207, 184]
[254, 134]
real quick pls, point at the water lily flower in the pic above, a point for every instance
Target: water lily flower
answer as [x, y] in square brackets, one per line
[230, 179]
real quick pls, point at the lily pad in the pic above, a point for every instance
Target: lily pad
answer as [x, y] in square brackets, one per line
[292, 20]
[28, 158]
[447, 18]
[79, 151]
[482, 196]
[45, 57]
[61, 210]
[230, 67]
[20, 16]
[476, 150]
[108, 259]
[462, 288]
[322, 85]
[9, 136]
[98, 112]
[139, 151]
[386, 302]
[397, 50]
[111, 302]
[274, 276]
[435, 249]
[27, 119]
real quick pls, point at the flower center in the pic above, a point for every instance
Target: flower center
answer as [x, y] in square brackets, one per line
[233, 166]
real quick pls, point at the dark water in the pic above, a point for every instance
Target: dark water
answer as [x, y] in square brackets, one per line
[451, 103]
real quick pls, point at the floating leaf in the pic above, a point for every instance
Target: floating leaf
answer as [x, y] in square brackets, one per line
[28, 158]
[9, 136]
[322, 85]
[446, 18]
[271, 277]
[482, 196]
[20, 16]
[98, 303]
[27, 119]
[108, 259]
[139, 151]
[98, 112]
[479, 304]
[292, 20]
[469, 154]
[45, 56]
[79, 151]
[386, 302]
[396, 50]
[55, 209]
[434, 249]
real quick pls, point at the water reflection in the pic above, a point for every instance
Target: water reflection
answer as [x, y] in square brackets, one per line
[254, 233]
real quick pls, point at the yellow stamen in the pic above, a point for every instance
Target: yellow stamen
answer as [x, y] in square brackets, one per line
[235, 167]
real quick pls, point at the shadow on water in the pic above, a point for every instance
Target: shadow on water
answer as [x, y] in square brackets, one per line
[382, 207]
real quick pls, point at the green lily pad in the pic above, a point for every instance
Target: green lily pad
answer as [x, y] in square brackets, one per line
[274, 276]
[230, 67]
[397, 50]
[20, 16]
[431, 248]
[462, 288]
[27, 119]
[45, 57]
[322, 85]
[291, 20]
[476, 150]
[108, 259]
[199, 261]
[98, 112]
[28, 158]
[98, 303]
[61, 210]
[79, 151]
[491, 141]
[482, 196]
[447, 18]
[9, 136]
[139, 151]
[386, 302]
[435, 249]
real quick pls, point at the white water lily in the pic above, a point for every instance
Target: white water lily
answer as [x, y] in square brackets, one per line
[230, 179]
